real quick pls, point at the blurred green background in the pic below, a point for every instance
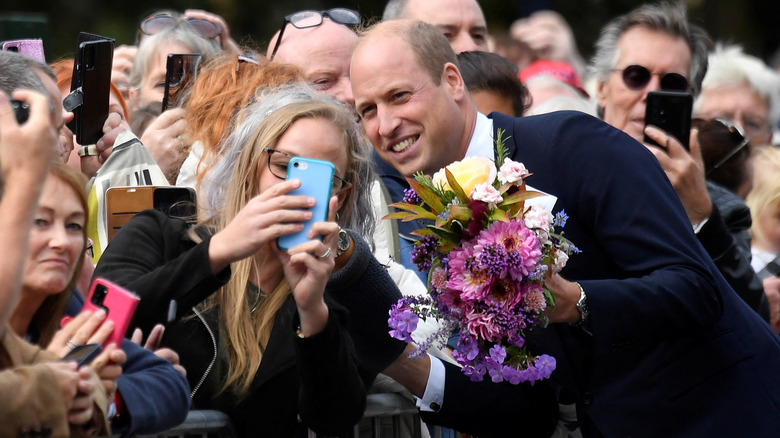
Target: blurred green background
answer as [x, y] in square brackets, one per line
[752, 23]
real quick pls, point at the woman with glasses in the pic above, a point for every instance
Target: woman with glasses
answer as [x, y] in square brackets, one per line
[262, 332]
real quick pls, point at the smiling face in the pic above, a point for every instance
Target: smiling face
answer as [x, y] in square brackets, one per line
[414, 124]
[323, 53]
[660, 53]
[57, 239]
[311, 138]
[461, 21]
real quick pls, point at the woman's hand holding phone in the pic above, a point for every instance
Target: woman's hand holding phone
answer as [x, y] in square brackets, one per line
[308, 266]
[265, 217]
[85, 328]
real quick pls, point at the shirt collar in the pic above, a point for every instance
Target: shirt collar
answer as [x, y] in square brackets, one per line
[481, 143]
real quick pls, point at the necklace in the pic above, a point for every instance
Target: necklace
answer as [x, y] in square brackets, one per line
[255, 296]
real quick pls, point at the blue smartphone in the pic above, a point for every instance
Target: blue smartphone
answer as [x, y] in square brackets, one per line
[316, 181]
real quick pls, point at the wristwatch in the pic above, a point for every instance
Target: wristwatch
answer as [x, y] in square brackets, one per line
[344, 242]
[582, 306]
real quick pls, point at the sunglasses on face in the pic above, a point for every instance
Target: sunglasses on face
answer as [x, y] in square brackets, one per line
[306, 19]
[157, 23]
[719, 134]
[279, 161]
[637, 77]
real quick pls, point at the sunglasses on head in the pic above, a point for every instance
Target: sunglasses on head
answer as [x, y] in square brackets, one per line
[306, 19]
[157, 23]
[719, 134]
[637, 77]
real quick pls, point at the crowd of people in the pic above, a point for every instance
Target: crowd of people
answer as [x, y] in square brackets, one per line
[666, 323]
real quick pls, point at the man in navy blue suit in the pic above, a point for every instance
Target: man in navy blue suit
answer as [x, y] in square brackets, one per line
[649, 338]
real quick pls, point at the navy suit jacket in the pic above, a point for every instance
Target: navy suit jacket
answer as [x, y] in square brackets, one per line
[672, 350]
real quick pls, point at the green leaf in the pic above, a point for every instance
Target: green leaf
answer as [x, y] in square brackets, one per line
[463, 197]
[498, 215]
[501, 150]
[445, 234]
[460, 212]
[519, 197]
[427, 196]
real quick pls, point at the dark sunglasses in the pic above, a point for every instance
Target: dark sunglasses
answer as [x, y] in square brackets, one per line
[157, 23]
[717, 135]
[637, 77]
[305, 19]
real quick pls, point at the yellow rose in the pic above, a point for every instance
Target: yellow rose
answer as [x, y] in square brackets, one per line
[468, 173]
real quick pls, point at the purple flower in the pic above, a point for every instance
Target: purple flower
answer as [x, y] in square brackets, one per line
[403, 321]
[411, 197]
[520, 243]
[497, 353]
[545, 364]
[424, 251]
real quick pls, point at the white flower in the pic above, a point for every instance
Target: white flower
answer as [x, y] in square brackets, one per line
[511, 172]
[486, 193]
[560, 261]
[538, 218]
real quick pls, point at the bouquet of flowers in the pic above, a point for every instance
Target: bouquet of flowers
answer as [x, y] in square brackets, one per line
[487, 256]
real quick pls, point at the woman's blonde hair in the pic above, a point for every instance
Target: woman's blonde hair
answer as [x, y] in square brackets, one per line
[244, 159]
[766, 189]
[47, 318]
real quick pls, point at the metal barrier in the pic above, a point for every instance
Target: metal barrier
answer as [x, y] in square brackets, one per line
[387, 411]
[200, 424]
[386, 415]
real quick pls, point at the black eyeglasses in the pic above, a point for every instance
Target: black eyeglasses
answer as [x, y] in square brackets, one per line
[719, 134]
[159, 22]
[637, 77]
[305, 19]
[279, 161]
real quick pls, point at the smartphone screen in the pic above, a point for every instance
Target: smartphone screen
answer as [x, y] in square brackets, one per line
[119, 304]
[670, 111]
[316, 181]
[181, 69]
[92, 74]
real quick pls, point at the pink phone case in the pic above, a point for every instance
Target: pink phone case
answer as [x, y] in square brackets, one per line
[119, 304]
[28, 47]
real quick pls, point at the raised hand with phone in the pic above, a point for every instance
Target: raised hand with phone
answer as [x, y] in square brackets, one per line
[280, 298]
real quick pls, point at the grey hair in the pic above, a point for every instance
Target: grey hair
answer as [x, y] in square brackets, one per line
[394, 9]
[249, 120]
[183, 33]
[667, 17]
[19, 72]
[730, 66]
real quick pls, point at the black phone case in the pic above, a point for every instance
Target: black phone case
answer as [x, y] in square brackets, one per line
[92, 73]
[670, 111]
[181, 69]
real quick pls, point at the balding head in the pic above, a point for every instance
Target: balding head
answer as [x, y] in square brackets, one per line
[323, 53]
